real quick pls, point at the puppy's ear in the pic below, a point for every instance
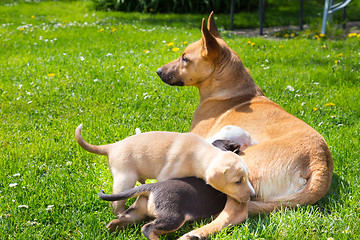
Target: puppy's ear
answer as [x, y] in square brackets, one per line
[227, 145]
[215, 176]
[209, 46]
[212, 26]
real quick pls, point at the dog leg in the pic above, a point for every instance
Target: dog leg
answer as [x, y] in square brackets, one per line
[136, 213]
[233, 213]
[121, 183]
[164, 223]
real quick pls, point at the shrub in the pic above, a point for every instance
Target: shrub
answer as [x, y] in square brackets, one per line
[174, 6]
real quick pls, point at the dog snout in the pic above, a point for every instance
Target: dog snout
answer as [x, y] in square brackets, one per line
[253, 195]
[159, 71]
[251, 190]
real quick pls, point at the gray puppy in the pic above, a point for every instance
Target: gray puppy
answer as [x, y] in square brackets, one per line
[171, 203]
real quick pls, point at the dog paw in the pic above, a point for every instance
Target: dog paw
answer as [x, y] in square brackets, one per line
[192, 236]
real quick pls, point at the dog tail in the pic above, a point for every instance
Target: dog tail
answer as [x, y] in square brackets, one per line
[316, 187]
[102, 149]
[131, 193]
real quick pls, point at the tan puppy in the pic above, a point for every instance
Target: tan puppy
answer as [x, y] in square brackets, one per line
[290, 165]
[166, 155]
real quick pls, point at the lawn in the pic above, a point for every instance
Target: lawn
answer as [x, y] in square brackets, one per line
[63, 64]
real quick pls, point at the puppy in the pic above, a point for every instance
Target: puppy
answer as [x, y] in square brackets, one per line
[235, 134]
[166, 155]
[171, 203]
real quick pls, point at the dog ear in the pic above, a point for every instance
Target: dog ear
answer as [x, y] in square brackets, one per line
[212, 27]
[215, 176]
[209, 46]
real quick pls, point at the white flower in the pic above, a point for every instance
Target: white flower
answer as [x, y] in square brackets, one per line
[109, 55]
[16, 175]
[49, 207]
[96, 80]
[32, 223]
[68, 163]
[13, 184]
[82, 58]
[290, 88]
[137, 131]
[23, 206]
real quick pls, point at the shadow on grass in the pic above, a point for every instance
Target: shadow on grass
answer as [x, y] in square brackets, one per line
[338, 185]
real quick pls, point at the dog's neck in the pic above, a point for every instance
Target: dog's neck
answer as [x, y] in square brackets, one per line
[232, 80]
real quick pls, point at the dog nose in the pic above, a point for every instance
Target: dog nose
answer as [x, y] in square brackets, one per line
[253, 195]
[159, 71]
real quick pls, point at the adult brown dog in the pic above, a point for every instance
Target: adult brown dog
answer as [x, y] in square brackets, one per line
[290, 165]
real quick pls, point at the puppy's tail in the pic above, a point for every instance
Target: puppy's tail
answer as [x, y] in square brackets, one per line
[134, 192]
[102, 149]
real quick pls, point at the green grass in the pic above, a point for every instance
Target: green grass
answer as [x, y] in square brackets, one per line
[64, 70]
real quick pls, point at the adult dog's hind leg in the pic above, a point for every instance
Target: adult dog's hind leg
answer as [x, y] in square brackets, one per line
[233, 213]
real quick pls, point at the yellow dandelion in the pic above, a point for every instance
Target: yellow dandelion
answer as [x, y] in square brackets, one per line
[32, 17]
[336, 61]
[358, 35]
[113, 29]
[185, 42]
[330, 104]
[293, 34]
[170, 44]
[248, 42]
[340, 54]
[352, 35]
[146, 51]
[51, 74]
[322, 35]
[314, 109]
[286, 35]
[100, 30]
[151, 9]
[317, 37]
[252, 44]
[281, 46]
[323, 46]
[21, 29]
[308, 31]
[175, 49]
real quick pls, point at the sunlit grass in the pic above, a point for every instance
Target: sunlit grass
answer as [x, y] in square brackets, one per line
[63, 64]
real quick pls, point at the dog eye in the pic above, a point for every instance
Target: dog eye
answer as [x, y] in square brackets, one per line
[185, 59]
[239, 182]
